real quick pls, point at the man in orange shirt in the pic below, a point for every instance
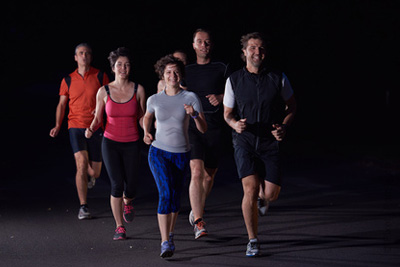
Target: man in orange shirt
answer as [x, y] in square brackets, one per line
[80, 89]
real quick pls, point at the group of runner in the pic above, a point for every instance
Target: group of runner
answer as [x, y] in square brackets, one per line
[193, 104]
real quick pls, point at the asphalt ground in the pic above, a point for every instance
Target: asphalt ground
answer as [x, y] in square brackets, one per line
[334, 210]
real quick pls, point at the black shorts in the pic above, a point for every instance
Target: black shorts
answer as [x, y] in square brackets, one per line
[264, 161]
[92, 145]
[206, 147]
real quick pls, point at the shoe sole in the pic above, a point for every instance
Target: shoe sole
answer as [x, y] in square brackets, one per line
[119, 238]
[201, 235]
[84, 217]
[253, 255]
[167, 254]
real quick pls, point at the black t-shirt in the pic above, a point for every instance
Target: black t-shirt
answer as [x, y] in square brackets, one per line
[205, 80]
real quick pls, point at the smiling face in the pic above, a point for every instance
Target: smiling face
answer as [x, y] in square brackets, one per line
[172, 75]
[254, 53]
[122, 67]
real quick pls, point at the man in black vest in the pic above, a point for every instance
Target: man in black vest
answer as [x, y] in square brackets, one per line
[252, 101]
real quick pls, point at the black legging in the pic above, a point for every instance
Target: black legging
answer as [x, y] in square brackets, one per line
[122, 162]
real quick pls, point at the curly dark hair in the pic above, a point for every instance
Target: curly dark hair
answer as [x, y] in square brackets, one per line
[169, 60]
[120, 52]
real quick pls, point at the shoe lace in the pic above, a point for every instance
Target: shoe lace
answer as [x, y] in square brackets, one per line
[120, 230]
[128, 208]
[200, 225]
[253, 245]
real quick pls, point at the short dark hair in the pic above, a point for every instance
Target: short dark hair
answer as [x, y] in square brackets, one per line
[202, 30]
[254, 35]
[162, 63]
[119, 52]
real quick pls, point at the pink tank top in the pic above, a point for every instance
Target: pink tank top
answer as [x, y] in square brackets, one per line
[122, 119]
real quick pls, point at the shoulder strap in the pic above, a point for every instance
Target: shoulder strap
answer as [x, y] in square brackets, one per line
[107, 89]
[100, 77]
[68, 81]
[136, 87]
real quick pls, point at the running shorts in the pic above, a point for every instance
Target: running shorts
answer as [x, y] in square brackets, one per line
[264, 161]
[92, 145]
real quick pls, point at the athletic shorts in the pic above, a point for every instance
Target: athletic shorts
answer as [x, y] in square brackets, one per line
[265, 161]
[206, 147]
[92, 145]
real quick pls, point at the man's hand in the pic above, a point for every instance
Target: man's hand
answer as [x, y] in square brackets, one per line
[215, 100]
[240, 125]
[279, 132]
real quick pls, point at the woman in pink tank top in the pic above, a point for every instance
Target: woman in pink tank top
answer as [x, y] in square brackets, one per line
[124, 103]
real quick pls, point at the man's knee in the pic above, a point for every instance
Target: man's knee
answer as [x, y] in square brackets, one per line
[197, 169]
[271, 191]
[251, 186]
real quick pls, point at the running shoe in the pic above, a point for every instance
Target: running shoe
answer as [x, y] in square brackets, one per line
[166, 250]
[91, 182]
[129, 212]
[171, 242]
[199, 229]
[253, 249]
[120, 233]
[191, 218]
[84, 212]
[263, 206]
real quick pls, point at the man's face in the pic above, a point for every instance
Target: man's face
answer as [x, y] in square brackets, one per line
[202, 44]
[254, 52]
[83, 56]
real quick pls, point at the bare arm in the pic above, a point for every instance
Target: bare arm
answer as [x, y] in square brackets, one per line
[60, 113]
[141, 98]
[238, 125]
[215, 100]
[279, 131]
[101, 99]
[198, 118]
[147, 123]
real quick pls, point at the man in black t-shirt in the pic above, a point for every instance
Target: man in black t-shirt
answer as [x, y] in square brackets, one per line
[207, 79]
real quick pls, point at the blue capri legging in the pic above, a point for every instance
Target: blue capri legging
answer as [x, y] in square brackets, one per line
[169, 171]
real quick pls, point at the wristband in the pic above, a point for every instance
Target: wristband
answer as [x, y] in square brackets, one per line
[90, 130]
[196, 114]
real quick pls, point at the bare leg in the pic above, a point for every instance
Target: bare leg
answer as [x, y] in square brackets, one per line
[209, 180]
[94, 168]
[81, 178]
[251, 186]
[117, 210]
[164, 223]
[174, 216]
[196, 189]
[271, 191]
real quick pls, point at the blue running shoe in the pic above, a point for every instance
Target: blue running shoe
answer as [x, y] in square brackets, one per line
[171, 242]
[166, 251]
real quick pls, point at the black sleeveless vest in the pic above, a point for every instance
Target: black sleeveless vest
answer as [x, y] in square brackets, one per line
[258, 98]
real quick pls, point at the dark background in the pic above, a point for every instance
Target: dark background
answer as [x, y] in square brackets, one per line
[341, 57]
[340, 200]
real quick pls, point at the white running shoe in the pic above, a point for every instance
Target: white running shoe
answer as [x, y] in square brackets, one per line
[91, 182]
[191, 218]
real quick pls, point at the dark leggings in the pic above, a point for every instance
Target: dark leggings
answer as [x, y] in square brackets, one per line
[122, 163]
[169, 171]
